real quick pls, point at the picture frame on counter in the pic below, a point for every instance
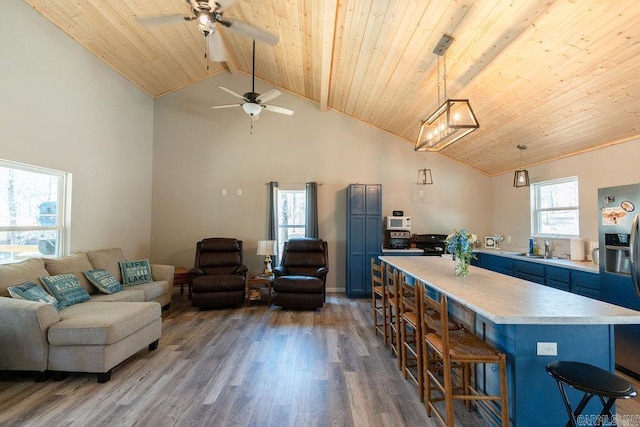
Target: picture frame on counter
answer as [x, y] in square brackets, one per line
[489, 242]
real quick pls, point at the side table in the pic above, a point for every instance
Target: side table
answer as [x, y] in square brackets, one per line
[256, 282]
[181, 277]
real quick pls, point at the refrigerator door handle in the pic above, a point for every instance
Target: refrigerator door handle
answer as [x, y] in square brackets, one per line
[634, 254]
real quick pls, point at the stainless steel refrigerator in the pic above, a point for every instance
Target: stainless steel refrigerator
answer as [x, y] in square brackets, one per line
[620, 265]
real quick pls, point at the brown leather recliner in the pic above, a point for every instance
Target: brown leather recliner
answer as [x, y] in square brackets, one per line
[300, 281]
[218, 276]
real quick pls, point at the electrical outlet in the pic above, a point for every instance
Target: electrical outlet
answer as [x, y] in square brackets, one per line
[547, 349]
[224, 191]
[239, 192]
[508, 239]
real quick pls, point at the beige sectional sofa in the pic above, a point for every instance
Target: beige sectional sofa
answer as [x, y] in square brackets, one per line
[91, 336]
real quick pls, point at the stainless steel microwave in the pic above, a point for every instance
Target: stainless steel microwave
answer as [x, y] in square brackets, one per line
[398, 223]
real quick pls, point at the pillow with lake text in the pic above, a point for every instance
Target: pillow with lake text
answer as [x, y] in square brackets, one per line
[33, 292]
[135, 272]
[66, 288]
[104, 281]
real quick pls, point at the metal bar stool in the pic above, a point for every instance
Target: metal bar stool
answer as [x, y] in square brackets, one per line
[593, 381]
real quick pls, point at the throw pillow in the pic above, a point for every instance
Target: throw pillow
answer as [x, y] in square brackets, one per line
[104, 281]
[66, 288]
[32, 292]
[135, 272]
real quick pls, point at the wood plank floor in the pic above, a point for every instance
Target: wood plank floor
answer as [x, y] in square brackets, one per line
[239, 367]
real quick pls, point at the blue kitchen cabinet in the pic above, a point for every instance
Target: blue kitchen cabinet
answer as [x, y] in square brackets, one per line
[558, 277]
[586, 284]
[364, 236]
[497, 263]
[530, 271]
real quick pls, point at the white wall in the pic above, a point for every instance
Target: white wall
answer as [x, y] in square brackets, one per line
[611, 166]
[62, 108]
[198, 151]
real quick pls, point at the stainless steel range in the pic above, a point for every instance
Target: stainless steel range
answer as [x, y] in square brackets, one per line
[431, 244]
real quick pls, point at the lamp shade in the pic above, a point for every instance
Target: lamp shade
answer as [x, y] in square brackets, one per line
[266, 247]
[251, 108]
[450, 122]
[521, 178]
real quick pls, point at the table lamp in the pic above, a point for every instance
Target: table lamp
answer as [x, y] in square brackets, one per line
[267, 248]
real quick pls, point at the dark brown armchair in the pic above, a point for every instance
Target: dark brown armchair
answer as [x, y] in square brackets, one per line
[300, 281]
[218, 276]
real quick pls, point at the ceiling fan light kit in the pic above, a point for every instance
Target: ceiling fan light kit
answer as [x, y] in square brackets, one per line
[452, 120]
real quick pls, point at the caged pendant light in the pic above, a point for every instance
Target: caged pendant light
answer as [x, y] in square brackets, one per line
[452, 120]
[521, 177]
[424, 175]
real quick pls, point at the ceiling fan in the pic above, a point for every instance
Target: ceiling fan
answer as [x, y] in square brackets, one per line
[208, 13]
[254, 103]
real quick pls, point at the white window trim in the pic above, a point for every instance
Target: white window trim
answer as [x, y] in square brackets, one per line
[535, 187]
[64, 191]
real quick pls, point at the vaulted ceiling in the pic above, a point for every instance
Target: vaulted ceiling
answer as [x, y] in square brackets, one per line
[561, 77]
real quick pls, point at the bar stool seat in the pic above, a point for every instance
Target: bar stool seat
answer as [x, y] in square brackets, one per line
[593, 381]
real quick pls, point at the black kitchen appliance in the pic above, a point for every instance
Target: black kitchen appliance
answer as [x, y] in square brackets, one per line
[397, 239]
[431, 244]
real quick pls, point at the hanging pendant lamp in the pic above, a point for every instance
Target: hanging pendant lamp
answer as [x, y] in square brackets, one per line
[521, 177]
[424, 175]
[452, 120]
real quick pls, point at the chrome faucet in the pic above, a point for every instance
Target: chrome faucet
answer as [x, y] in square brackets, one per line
[547, 249]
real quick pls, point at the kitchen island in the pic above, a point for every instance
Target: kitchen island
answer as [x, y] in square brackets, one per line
[515, 316]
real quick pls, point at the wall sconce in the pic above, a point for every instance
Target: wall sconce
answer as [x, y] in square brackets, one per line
[267, 248]
[521, 177]
[424, 175]
[452, 120]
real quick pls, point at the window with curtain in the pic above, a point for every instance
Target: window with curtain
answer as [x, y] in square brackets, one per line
[555, 208]
[32, 211]
[291, 213]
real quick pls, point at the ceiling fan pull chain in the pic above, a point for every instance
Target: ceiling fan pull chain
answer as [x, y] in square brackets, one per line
[206, 49]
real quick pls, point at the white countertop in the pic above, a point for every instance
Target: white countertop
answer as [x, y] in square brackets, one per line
[504, 299]
[403, 251]
[587, 266]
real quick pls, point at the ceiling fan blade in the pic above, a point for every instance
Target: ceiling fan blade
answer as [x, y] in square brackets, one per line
[230, 92]
[276, 109]
[217, 52]
[174, 18]
[221, 4]
[193, 4]
[227, 106]
[249, 30]
[268, 96]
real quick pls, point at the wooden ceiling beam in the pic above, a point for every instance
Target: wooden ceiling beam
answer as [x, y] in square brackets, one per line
[329, 17]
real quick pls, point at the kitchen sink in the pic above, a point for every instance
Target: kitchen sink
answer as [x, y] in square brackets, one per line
[532, 256]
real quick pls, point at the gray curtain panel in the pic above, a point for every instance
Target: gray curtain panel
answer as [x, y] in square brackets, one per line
[311, 226]
[272, 211]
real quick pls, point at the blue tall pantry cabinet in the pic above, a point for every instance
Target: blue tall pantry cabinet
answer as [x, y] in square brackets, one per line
[364, 236]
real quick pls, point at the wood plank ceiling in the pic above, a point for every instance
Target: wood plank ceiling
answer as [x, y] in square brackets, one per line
[561, 77]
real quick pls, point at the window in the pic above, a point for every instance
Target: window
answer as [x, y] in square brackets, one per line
[291, 206]
[32, 212]
[555, 208]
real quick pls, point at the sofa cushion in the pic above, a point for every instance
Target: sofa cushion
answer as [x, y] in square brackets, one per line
[101, 323]
[33, 292]
[66, 288]
[76, 264]
[107, 259]
[127, 295]
[104, 281]
[17, 273]
[135, 272]
[152, 290]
